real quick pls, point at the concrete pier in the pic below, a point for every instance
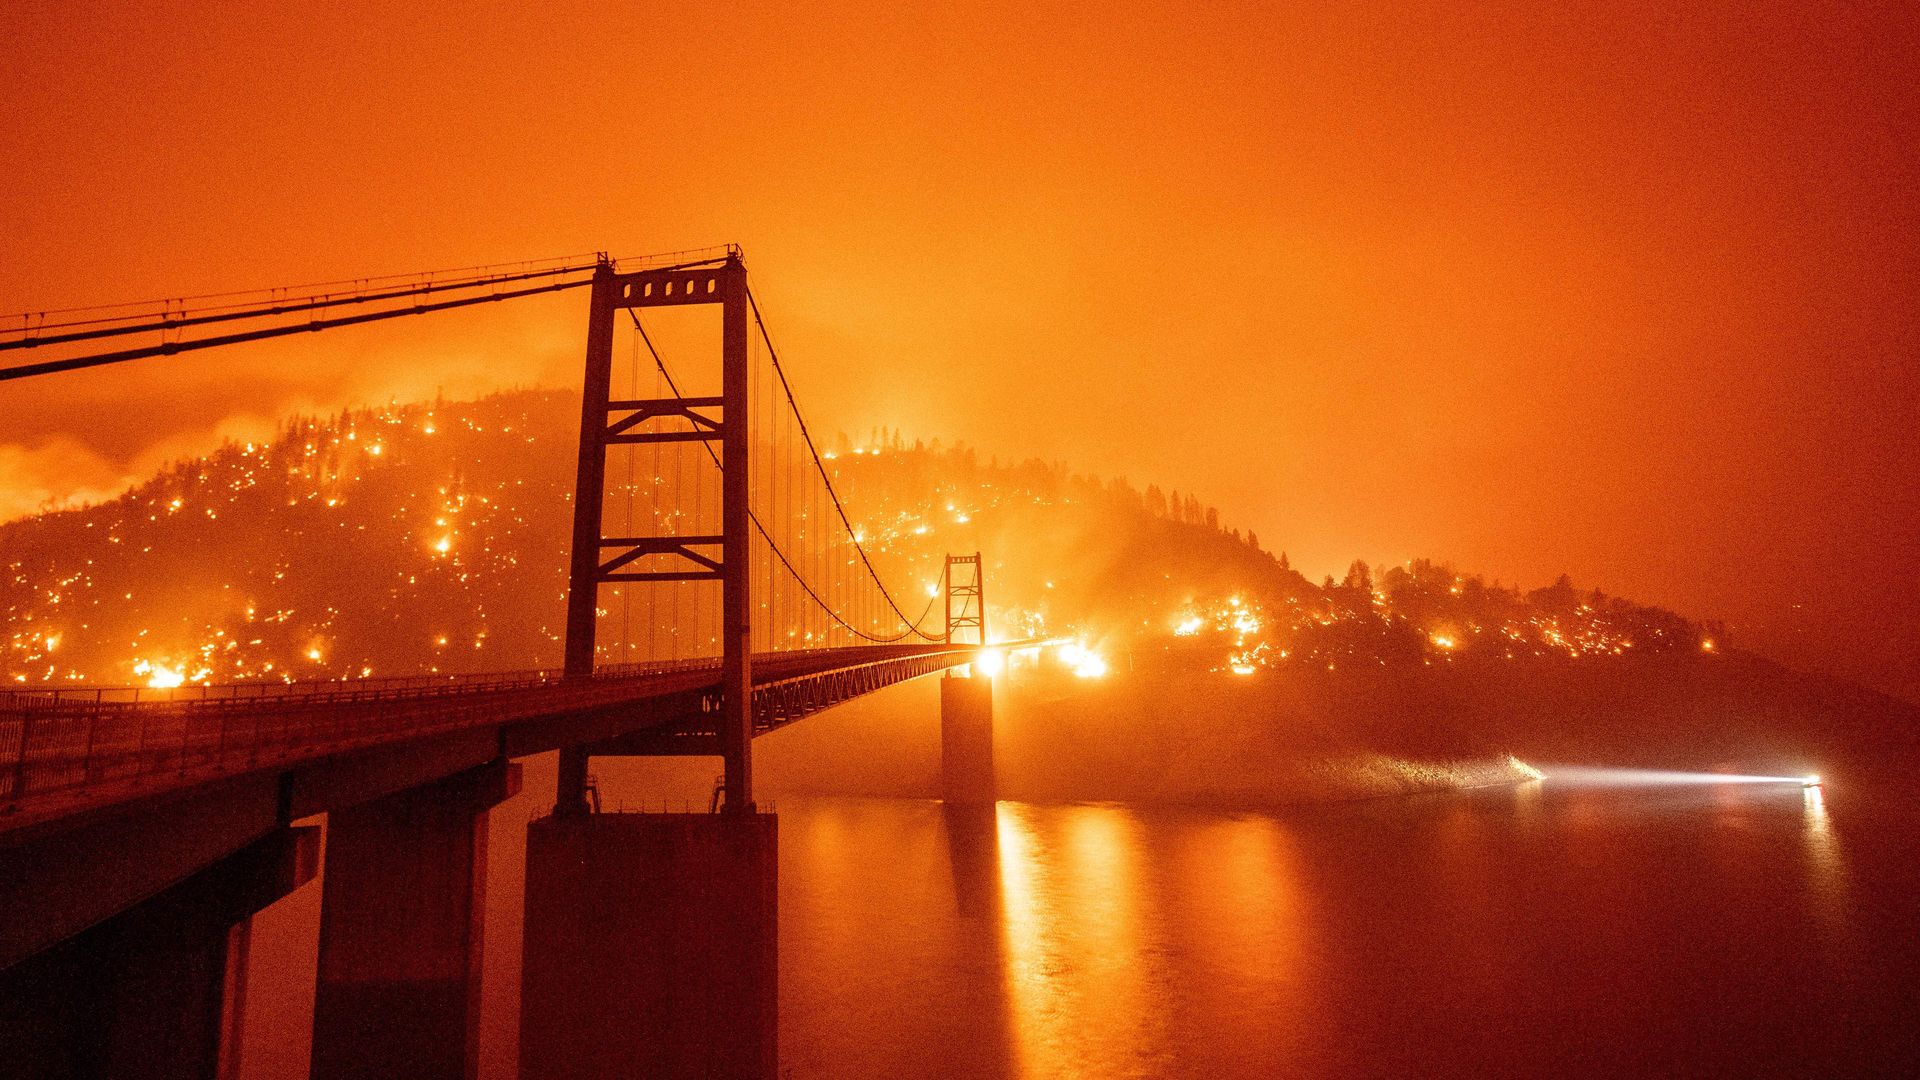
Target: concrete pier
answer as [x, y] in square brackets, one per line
[973, 854]
[966, 740]
[399, 970]
[151, 993]
[650, 948]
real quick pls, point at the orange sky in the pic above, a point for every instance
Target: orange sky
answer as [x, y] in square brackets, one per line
[1629, 294]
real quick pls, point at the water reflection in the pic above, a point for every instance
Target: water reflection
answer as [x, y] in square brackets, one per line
[1826, 863]
[1528, 797]
[1129, 935]
[891, 955]
[1538, 930]
[1074, 964]
[1026, 931]
[1247, 942]
[973, 852]
[1107, 916]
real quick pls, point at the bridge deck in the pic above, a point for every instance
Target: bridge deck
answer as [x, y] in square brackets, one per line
[70, 749]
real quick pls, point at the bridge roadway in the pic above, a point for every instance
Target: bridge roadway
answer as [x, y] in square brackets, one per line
[108, 796]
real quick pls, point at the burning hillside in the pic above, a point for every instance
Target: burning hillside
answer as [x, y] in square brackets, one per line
[432, 538]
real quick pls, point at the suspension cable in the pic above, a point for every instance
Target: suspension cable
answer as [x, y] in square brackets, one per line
[48, 367]
[169, 320]
[29, 333]
[912, 627]
[821, 468]
[281, 294]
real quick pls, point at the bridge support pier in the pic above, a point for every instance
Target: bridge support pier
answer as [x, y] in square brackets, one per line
[570, 785]
[966, 740]
[649, 947]
[154, 991]
[399, 972]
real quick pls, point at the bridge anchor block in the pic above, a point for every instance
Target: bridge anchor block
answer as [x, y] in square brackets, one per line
[650, 947]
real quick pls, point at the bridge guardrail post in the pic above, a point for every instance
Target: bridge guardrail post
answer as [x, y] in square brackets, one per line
[20, 759]
[86, 755]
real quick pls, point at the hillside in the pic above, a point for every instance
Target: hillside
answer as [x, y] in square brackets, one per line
[432, 538]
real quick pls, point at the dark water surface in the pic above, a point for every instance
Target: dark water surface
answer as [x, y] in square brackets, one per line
[1545, 930]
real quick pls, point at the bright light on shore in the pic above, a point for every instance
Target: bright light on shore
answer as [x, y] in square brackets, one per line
[990, 662]
[1084, 661]
[1590, 776]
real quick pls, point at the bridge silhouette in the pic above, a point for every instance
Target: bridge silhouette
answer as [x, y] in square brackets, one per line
[141, 826]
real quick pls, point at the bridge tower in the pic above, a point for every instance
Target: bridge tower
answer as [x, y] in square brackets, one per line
[966, 607]
[966, 703]
[686, 903]
[599, 559]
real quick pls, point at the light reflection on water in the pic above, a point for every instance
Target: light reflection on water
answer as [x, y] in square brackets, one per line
[1826, 868]
[1538, 930]
[1073, 902]
[1524, 931]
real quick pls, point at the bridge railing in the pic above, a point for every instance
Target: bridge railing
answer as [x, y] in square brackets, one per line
[335, 689]
[75, 739]
[386, 686]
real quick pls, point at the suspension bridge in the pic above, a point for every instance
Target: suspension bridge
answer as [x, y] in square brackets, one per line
[140, 826]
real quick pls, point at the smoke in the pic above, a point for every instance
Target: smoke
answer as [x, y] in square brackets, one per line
[62, 473]
[72, 442]
[57, 474]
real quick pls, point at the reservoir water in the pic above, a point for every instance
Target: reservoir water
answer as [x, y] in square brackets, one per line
[1549, 929]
